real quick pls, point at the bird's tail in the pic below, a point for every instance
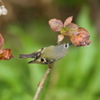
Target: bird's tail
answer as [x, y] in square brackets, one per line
[26, 55]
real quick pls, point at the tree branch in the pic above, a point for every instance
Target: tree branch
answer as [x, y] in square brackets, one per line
[40, 86]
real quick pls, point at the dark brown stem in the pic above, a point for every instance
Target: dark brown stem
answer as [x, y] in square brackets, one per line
[40, 86]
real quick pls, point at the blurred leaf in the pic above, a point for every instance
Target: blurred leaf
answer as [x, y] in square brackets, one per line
[68, 21]
[5, 54]
[1, 41]
[56, 25]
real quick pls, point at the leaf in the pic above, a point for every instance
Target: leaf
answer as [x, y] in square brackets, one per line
[1, 41]
[70, 30]
[78, 36]
[60, 38]
[56, 25]
[83, 32]
[68, 20]
[82, 39]
[5, 54]
[72, 26]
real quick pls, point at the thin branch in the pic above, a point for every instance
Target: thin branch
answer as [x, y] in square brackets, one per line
[42, 82]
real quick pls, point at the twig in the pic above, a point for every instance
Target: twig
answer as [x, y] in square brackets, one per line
[42, 82]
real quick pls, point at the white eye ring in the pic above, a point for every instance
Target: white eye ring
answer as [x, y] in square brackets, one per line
[66, 45]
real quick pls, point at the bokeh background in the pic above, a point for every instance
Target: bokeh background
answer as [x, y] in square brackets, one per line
[25, 29]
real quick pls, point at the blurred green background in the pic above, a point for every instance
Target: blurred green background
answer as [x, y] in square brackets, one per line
[25, 29]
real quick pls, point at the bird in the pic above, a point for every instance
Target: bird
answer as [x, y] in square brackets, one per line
[48, 55]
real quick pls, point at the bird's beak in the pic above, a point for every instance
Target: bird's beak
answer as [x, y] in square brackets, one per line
[70, 43]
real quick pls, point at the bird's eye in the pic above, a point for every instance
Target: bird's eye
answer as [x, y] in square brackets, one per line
[43, 60]
[65, 45]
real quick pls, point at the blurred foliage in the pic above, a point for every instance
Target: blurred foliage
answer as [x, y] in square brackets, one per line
[69, 2]
[75, 77]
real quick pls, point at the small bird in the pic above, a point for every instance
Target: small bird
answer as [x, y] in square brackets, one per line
[47, 55]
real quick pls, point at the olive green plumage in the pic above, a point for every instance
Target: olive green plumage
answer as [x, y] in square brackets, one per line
[48, 55]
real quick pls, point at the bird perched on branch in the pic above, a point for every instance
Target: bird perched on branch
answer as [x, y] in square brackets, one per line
[48, 55]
